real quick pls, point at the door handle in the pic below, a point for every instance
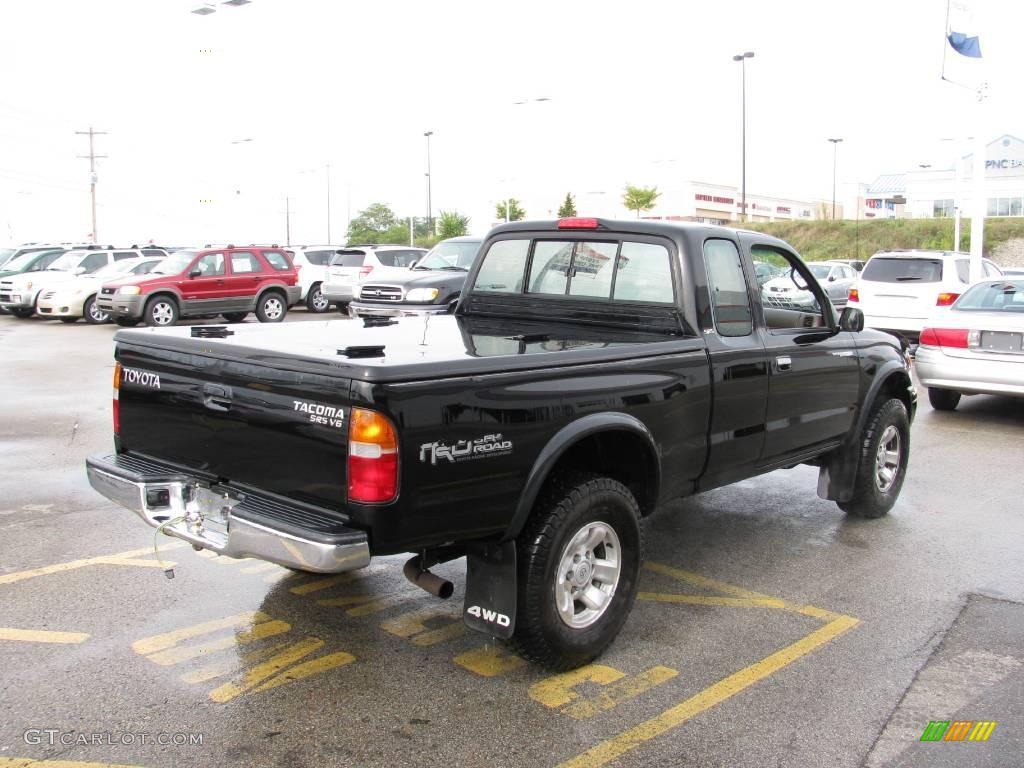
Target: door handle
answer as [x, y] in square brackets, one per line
[784, 363]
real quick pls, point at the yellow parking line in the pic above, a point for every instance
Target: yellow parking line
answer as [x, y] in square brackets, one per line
[261, 568]
[624, 690]
[316, 586]
[703, 581]
[724, 689]
[489, 661]
[41, 636]
[120, 558]
[149, 645]
[729, 602]
[26, 762]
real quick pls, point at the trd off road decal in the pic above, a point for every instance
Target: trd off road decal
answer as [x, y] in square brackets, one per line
[327, 415]
[465, 450]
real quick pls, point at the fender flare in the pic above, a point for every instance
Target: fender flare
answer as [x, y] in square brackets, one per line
[836, 476]
[264, 290]
[562, 441]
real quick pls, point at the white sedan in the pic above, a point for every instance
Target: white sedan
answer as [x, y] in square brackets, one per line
[76, 297]
[977, 346]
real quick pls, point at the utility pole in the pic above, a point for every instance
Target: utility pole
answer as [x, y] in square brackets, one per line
[287, 221]
[328, 203]
[835, 155]
[430, 207]
[92, 172]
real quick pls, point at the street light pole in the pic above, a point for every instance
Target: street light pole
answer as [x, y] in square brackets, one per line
[430, 208]
[742, 59]
[328, 203]
[835, 153]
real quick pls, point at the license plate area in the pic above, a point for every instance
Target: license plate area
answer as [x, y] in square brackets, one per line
[1001, 341]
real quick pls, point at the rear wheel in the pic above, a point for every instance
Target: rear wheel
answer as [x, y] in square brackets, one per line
[316, 301]
[161, 311]
[93, 314]
[884, 453]
[578, 561]
[235, 317]
[943, 399]
[271, 307]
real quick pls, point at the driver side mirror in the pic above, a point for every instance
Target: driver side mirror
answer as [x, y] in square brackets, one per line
[412, 264]
[195, 273]
[852, 319]
[831, 278]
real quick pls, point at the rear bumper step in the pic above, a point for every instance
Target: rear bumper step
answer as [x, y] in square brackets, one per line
[228, 521]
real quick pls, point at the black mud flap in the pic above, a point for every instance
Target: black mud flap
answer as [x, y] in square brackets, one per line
[491, 589]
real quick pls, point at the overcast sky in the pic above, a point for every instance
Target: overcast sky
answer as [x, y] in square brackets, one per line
[639, 92]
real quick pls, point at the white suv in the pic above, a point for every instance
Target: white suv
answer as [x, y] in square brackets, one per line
[18, 293]
[899, 290]
[311, 262]
[352, 265]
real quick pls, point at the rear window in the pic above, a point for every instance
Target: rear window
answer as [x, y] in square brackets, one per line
[348, 259]
[1001, 296]
[319, 258]
[277, 260]
[891, 269]
[602, 270]
[398, 258]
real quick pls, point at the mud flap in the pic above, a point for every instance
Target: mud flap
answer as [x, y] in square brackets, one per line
[490, 605]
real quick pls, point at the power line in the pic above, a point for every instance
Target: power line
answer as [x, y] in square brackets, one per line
[92, 172]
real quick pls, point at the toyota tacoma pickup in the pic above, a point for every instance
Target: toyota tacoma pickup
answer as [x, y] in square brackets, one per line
[592, 370]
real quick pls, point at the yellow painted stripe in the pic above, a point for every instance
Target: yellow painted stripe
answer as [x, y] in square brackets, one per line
[259, 631]
[724, 689]
[489, 661]
[261, 672]
[316, 586]
[226, 665]
[120, 558]
[27, 762]
[308, 668]
[162, 642]
[729, 602]
[41, 636]
[624, 690]
[557, 690]
[261, 568]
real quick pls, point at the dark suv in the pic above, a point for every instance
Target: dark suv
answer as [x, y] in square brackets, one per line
[226, 281]
[432, 286]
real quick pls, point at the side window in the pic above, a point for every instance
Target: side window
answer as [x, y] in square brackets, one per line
[244, 262]
[45, 261]
[503, 267]
[210, 265]
[730, 301]
[644, 273]
[788, 303]
[277, 260]
[156, 253]
[963, 270]
[122, 255]
[319, 258]
[93, 261]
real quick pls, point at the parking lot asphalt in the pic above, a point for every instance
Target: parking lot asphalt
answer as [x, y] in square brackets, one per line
[770, 629]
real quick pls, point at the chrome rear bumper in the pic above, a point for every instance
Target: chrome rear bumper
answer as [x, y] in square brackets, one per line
[227, 521]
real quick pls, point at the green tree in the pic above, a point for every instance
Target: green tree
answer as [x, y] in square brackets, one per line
[568, 207]
[452, 224]
[372, 224]
[515, 210]
[640, 198]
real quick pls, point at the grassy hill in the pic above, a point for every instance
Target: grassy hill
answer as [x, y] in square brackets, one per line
[819, 240]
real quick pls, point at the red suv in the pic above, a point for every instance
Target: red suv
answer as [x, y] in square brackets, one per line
[215, 281]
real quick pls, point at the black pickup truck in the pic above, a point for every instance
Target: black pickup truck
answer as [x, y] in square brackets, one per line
[592, 370]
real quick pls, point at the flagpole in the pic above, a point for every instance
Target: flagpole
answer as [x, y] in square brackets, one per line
[945, 41]
[980, 203]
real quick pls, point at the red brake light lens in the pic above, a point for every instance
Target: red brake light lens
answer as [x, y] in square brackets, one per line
[577, 223]
[364, 271]
[854, 295]
[372, 458]
[954, 338]
[946, 299]
[117, 399]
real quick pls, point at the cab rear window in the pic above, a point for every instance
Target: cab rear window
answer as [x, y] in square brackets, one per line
[609, 270]
[890, 269]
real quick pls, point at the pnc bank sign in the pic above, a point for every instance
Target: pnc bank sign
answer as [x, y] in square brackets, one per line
[1004, 164]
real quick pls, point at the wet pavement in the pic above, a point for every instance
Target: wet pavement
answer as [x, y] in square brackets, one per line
[770, 629]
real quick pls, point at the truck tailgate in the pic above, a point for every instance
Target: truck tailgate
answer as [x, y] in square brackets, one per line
[250, 424]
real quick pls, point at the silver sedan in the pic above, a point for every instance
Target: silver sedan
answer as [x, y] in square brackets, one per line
[975, 347]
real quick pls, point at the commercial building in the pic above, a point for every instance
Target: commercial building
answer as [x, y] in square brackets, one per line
[721, 204]
[928, 192]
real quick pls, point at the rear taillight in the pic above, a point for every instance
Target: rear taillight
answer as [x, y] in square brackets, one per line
[117, 399]
[364, 272]
[946, 299]
[854, 295]
[372, 458]
[954, 338]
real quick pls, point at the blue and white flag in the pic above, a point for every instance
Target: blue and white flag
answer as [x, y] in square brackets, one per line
[961, 30]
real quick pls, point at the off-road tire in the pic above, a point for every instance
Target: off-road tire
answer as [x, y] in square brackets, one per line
[567, 504]
[870, 499]
[271, 307]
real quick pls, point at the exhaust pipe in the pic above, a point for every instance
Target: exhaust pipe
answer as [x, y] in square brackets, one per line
[424, 579]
